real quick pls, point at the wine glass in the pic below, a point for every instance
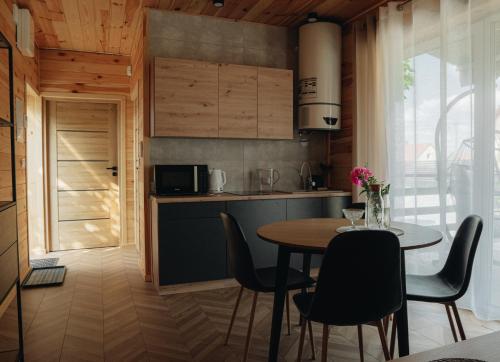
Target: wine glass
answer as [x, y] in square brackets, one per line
[353, 215]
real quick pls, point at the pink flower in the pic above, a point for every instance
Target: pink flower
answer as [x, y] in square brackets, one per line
[360, 175]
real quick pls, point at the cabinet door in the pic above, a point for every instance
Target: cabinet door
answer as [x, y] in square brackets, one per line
[332, 206]
[304, 209]
[253, 214]
[186, 98]
[275, 103]
[191, 250]
[237, 101]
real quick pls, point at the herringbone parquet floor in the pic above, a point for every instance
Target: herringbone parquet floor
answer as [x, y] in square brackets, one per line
[105, 311]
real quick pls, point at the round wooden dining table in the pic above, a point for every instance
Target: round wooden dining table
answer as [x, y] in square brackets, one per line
[312, 236]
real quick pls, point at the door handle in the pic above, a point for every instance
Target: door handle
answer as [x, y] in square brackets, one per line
[114, 168]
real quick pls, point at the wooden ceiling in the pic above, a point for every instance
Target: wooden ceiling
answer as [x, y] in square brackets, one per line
[107, 26]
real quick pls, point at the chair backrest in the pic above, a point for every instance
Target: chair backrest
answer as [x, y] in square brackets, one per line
[240, 259]
[458, 267]
[359, 280]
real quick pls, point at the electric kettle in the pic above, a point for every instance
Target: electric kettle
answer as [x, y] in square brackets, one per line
[217, 180]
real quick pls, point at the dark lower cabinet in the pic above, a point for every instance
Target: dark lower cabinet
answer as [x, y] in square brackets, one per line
[305, 209]
[191, 242]
[332, 206]
[191, 249]
[253, 214]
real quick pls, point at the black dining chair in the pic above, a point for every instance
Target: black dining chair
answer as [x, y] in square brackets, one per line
[451, 283]
[257, 280]
[359, 283]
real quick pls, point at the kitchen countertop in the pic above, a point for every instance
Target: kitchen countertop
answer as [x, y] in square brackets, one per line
[230, 197]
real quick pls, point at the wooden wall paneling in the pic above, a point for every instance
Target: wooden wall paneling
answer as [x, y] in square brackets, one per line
[185, 98]
[25, 70]
[130, 170]
[275, 103]
[273, 12]
[139, 84]
[109, 26]
[104, 26]
[5, 165]
[340, 144]
[237, 101]
[4, 85]
[79, 72]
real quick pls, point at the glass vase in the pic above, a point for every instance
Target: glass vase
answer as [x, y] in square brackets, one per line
[387, 211]
[375, 208]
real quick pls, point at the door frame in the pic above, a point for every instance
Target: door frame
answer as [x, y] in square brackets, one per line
[120, 102]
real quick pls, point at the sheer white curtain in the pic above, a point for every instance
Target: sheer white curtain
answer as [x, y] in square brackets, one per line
[369, 150]
[442, 121]
[379, 82]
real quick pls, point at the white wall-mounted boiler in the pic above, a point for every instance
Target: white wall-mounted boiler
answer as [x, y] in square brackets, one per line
[319, 76]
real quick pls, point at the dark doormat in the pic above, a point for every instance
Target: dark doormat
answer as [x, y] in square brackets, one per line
[45, 277]
[43, 263]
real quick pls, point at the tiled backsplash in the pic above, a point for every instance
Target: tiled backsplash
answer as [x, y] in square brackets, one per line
[177, 35]
[241, 158]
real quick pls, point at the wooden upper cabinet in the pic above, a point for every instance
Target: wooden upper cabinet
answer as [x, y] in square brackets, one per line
[237, 101]
[201, 99]
[275, 103]
[186, 98]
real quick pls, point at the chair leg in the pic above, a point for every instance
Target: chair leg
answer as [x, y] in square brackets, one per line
[393, 337]
[301, 340]
[287, 304]
[233, 316]
[250, 325]
[381, 333]
[450, 319]
[324, 347]
[386, 325]
[360, 342]
[311, 340]
[459, 322]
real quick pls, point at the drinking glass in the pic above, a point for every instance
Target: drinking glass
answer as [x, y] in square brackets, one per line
[353, 215]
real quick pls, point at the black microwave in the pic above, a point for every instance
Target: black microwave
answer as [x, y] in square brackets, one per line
[180, 179]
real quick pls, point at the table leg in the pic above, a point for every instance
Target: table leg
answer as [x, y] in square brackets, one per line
[279, 301]
[402, 315]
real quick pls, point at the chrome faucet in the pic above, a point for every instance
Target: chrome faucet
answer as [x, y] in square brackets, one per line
[307, 182]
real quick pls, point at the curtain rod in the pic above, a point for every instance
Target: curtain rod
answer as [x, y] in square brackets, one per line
[377, 5]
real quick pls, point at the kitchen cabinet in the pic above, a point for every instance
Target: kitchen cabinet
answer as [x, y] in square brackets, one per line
[332, 206]
[191, 243]
[275, 103]
[237, 101]
[185, 98]
[253, 214]
[305, 209]
[201, 99]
